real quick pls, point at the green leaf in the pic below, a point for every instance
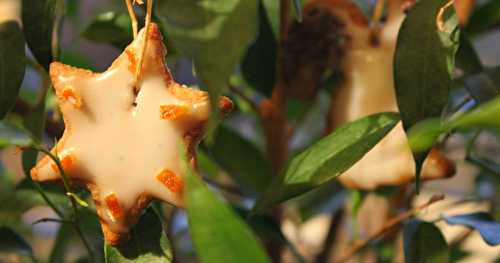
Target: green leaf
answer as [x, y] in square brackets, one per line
[259, 65]
[12, 242]
[111, 28]
[272, 9]
[423, 64]
[467, 58]
[148, 243]
[34, 122]
[61, 243]
[485, 116]
[423, 242]
[218, 233]
[38, 23]
[12, 65]
[215, 34]
[232, 152]
[424, 61]
[12, 135]
[485, 17]
[423, 135]
[328, 158]
[14, 203]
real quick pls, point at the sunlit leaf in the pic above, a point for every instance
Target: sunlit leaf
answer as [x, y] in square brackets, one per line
[218, 233]
[215, 34]
[423, 242]
[482, 222]
[12, 64]
[328, 158]
[423, 135]
[148, 243]
[38, 23]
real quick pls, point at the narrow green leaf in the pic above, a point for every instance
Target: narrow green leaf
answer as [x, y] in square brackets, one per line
[297, 8]
[34, 122]
[486, 115]
[328, 158]
[485, 17]
[272, 8]
[423, 135]
[467, 58]
[38, 23]
[218, 232]
[12, 242]
[232, 152]
[423, 63]
[215, 34]
[423, 242]
[148, 243]
[61, 243]
[12, 65]
[259, 65]
[111, 28]
[12, 135]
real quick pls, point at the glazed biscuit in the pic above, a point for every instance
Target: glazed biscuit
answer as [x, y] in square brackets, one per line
[122, 133]
[367, 88]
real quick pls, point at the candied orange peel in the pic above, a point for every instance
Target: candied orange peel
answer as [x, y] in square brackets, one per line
[170, 180]
[67, 163]
[172, 112]
[114, 208]
[68, 93]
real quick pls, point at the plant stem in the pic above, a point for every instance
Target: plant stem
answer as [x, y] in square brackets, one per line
[76, 223]
[391, 224]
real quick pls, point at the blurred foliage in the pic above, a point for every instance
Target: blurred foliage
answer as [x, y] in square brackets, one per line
[442, 89]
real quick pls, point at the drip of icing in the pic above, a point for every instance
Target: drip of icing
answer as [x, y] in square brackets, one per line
[119, 142]
[369, 89]
[10, 10]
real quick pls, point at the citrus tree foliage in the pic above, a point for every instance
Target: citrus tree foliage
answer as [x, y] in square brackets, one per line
[237, 198]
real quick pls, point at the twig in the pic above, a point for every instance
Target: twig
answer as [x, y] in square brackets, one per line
[56, 220]
[66, 185]
[377, 13]
[250, 101]
[133, 18]
[439, 17]
[149, 10]
[393, 222]
[331, 236]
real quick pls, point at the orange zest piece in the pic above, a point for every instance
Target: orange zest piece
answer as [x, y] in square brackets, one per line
[68, 93]
[132, 59]
[172, 112]
[114, 208]
[67, 163]
[170, 180]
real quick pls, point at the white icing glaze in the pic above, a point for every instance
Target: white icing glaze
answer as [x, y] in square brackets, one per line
[10, 10]
[369, 89]
[119, 147]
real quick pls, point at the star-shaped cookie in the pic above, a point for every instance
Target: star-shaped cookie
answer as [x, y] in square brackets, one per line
[122, 134]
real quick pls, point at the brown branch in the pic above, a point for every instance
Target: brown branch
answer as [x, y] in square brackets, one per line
[391, 224]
